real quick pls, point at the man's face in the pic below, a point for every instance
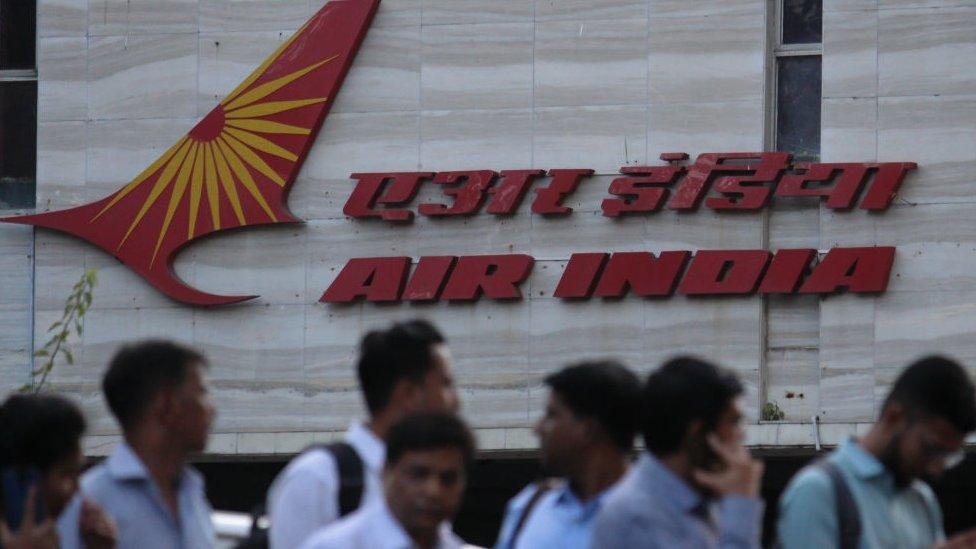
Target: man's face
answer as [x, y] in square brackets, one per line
[60, 482]
[923, 448]
[436, 392]
[424, 488]
[191, 411]
[728, 429]
[561, 436]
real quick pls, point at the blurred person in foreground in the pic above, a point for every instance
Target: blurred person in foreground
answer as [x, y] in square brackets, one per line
[156, 391]
[696, 486]
[872, 492]
[40, 437]
[585, 437]
[428, 456]
[404, 369]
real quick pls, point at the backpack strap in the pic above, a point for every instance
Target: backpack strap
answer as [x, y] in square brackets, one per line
[848, 515]
[350, 467]
[541, 487]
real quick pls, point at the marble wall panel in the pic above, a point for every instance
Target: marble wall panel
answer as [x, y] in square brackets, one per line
[116, 17]
[721, 329]
[847, 395]
[559, 237]
[62, 18]
[586, 10]
[937, 133]
[910, 4]
[793, 382]
[601, 138]
[314, 198]
[695, 128]
[920, 51]
[453, 12]
[698, 59]
[252, 15]
[477, 235]
[61, 164]
[118, 150]
[267, 261]
[385, 75]
[62, 78]
[849, 131]
[909, 325]
[793, 322]
[60, 262]
[227, 58]
[487, 66]
[365, 142]
[332, 335]
[704, 229]
[830, 6]
[850, 53]
[847, 332]
[794, 223]
[544, 279]
[610, 53]
[16, 258]
[706, 8]
[142, 76]
[460, 140]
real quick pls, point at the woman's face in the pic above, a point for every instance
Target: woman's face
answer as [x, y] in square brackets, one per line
[60, 483]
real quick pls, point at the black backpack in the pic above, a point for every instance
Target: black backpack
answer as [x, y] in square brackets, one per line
[351, 486]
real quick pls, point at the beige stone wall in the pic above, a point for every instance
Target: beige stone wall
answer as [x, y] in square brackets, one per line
[452, 84]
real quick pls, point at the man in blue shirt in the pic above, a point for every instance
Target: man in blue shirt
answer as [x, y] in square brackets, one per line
[157, 393]
[585, 436]
[696, 486]
[924, 420]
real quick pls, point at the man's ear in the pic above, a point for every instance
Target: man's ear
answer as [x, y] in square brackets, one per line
[164, 405]
[406, 395]
[696, 430]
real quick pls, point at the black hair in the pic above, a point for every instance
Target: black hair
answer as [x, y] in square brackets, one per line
[39, 431]
[140, 371]
[605, 391]
[683, 390]
[937, 386]
[388, 356]
[429, 431]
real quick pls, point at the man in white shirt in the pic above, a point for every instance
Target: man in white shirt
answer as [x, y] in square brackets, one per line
[428, 456]
[404, 369]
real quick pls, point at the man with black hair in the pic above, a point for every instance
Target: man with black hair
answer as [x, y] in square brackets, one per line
[585, 436]
[156, 391]
[872, 492]
[42, 438]
[424, 476]
[696, 486]
[404, 369]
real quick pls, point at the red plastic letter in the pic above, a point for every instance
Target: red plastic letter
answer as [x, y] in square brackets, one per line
[640, 194]
[507, 195]
[886, 183]
[428, 278]
[861, 270]
[724, 272]
[498, 276]
[366, 195]
[580, 276]
[548, 200]
[749, 192]
[375, 278]
[785, 271]
[642, 272]
[468, 192]
[840, 196]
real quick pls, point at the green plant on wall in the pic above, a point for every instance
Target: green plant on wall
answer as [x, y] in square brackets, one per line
[772, 412]
[73, 320]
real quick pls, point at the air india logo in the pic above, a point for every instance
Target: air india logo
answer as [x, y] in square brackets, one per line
[234, 168]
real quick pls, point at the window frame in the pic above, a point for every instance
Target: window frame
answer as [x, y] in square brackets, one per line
[26, 75]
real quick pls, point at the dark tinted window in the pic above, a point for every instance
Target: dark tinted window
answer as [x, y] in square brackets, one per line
[18, 143]
[802, 21]
[798, 106]
[18, 22]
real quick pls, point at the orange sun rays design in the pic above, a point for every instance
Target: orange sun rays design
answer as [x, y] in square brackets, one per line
[221, 154]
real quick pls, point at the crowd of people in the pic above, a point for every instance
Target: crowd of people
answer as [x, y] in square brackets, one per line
[398, 478]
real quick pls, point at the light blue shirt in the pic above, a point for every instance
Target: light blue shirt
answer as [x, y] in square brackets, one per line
[558, 519]
[654, 508]
[890, 518]
[373, 527]
[123, 487]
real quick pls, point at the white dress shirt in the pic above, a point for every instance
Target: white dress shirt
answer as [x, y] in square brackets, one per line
[373, 527]
[305, 496]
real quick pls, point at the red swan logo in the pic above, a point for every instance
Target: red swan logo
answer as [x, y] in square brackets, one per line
[235, 167]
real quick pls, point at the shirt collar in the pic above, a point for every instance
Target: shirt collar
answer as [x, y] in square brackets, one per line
[862, 463]
[368, 445]
[387, 532]
[567, 498]
[667, 486]
[124, 464]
